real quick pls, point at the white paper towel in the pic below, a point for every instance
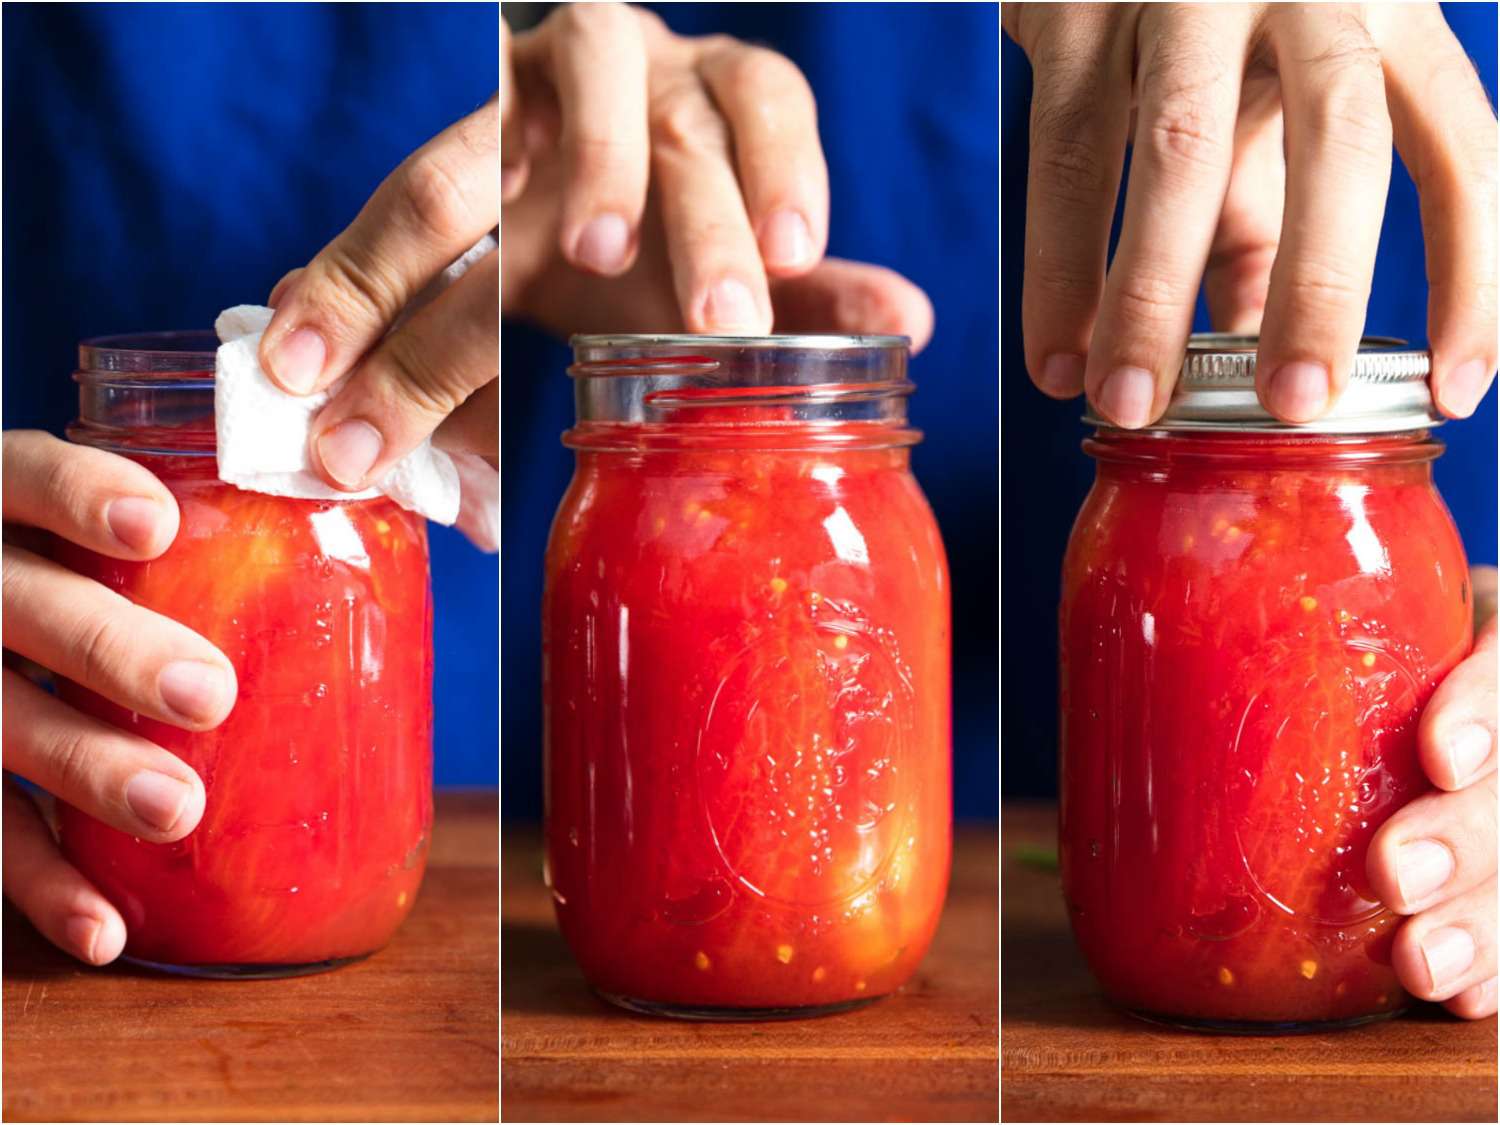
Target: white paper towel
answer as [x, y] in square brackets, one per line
[263, 432]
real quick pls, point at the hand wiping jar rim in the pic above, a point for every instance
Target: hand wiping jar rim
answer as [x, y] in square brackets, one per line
[746, 670]
[1253, 617]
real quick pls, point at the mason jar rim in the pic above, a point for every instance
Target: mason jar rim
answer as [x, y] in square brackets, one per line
[809, 341]
[148, 353]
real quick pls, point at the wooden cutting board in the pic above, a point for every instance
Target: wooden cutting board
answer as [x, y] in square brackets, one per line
[926, 1054]
[408, 1035]
[1066, 1055]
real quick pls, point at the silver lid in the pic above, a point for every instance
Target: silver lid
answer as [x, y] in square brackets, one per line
[1387, 391]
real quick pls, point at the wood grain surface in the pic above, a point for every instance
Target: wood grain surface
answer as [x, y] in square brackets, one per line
[925, 1054]
[408, 1035]
[1066, 1055]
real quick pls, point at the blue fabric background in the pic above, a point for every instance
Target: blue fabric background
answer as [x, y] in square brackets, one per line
[163, 162]
[907, 111]
[1045, 475]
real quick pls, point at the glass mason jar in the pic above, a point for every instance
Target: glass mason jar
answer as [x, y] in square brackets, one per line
[1253, 616]
[319, 783]
[746, 670]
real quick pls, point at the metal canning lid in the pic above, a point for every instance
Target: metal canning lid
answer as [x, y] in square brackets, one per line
[1387, 391]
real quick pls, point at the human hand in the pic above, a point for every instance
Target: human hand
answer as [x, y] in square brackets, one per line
[1435, 858]
[435, 372]
[91, 635]
[657, 183]
[1283, 239]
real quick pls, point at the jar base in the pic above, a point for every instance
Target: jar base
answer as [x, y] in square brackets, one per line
[731, 1015]
[247, 971]
[1259, 1027]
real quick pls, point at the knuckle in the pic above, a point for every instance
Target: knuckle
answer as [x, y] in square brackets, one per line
[14, 587]
[714, 45]
[65, 485]
[764, 74]
[1348, 107]
[1349, 53]
[1056, 280]
[435, 198]
[1187, 131]
[1147, 298]
[772, 91]
[1325, 287]
[1347, 119]
[683, 119]
[431, 389]
[1070, 166]
[1055, 38]
[71, 762]
[650, 23]
[101, 648]
[350, 290]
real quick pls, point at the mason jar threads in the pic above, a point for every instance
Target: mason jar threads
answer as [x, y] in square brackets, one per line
[1253, 616]
[746, 677]
[318, 815]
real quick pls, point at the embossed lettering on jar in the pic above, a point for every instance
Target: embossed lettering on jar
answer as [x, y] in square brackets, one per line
[746, 678]
[1253, 617]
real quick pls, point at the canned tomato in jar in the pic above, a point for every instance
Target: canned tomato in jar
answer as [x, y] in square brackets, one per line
[315, 832]
[746, 670]
[1253, 616]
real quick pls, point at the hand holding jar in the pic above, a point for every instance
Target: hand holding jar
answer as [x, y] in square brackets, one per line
[136, 658]
[1262, 154]
[1435, 858]
[665, 183]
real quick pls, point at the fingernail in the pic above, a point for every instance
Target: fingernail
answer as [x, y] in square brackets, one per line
[298, 359]
[82, 932]
[193, 688]
[349, 451]
[1298, 392]
[1448, 951]
[785, 240]
[1464, 387]
[134, 521]
[158, 800]
[603, 244]
[1469, 747]
[1062, 375]
[1127, 396]
[109, 939]
[729, 305]
[1422, 866]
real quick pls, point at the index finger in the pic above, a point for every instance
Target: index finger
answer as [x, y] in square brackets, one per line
[91, 497]
[1189, 80]
[439, 202]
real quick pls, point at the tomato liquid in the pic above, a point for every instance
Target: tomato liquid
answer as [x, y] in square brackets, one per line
[319, 783]
[746, 656]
